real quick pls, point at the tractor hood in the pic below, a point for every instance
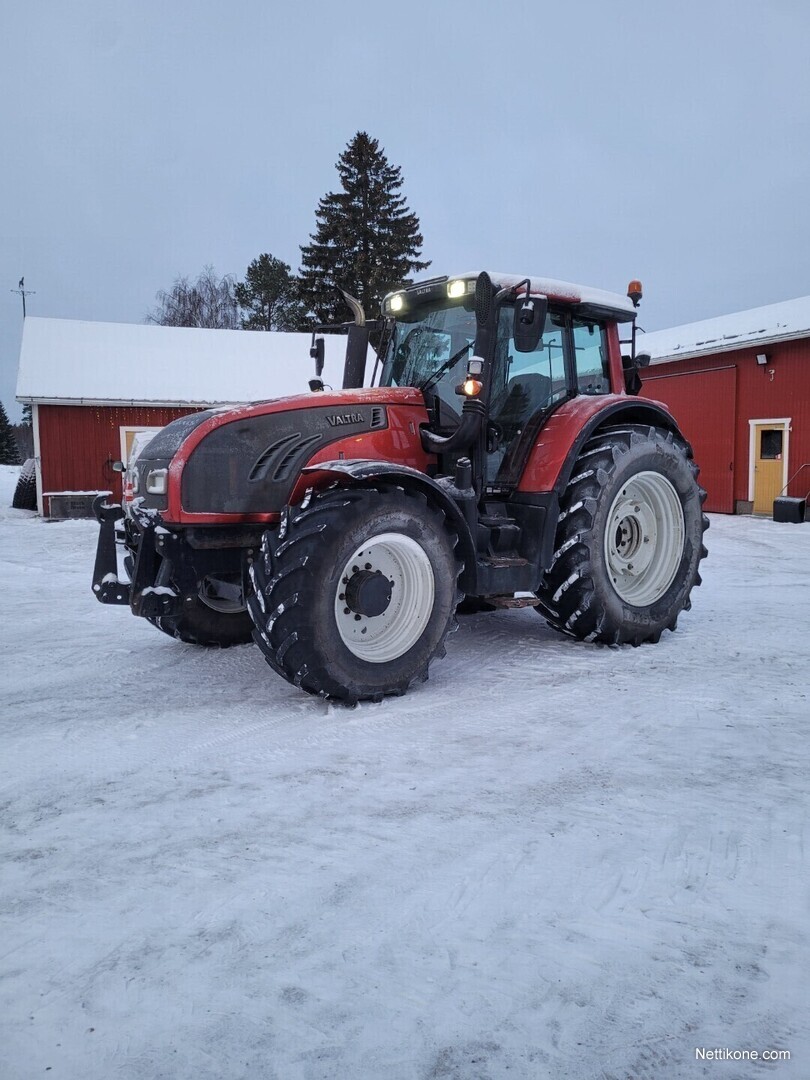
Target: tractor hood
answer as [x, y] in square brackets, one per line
[244, 463]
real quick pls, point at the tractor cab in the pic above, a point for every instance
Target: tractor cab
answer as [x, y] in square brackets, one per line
[509, 351]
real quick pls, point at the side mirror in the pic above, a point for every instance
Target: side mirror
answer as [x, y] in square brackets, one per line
[530, 318]
[317, 353]
[632, 379]
[118, 466]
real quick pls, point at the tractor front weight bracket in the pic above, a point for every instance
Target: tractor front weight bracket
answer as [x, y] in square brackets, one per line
[149, 593]
[106, 585]
[152, 592]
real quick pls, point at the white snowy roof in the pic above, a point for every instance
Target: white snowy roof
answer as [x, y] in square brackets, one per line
[743, 329]
[93, 362]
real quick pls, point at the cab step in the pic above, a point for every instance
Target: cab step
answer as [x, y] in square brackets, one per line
[503, 560]
[513, 601]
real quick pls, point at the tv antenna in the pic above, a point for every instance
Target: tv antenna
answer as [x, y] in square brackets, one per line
[21, 289]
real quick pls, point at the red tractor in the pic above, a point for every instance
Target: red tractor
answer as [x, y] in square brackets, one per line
[502, 459]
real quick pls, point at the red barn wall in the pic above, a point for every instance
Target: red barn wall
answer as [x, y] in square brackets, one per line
[78, 443]
[714, 396]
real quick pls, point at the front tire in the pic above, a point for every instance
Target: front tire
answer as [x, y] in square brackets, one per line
[629, 539]
[212, 619]
[356, 592]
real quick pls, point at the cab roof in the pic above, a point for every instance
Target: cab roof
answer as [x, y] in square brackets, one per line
[588, 301]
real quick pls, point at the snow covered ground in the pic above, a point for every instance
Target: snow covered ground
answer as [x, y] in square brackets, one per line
[551, 861]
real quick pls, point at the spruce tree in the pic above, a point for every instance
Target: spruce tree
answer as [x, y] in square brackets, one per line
[268, 296]
[367, 241]
[9, 454]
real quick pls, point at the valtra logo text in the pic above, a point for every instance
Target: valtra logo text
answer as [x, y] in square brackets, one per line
[339, 419]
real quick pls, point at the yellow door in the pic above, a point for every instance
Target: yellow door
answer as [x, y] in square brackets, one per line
[769, 465]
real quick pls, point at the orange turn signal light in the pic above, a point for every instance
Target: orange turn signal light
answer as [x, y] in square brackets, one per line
[472, 387]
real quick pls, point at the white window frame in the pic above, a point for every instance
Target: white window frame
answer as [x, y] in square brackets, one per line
[125, 429]
[783, 421]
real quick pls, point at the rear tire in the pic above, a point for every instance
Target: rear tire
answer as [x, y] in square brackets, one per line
[354, 595]
[629, 539]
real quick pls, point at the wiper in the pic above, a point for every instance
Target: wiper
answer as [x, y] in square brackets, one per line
[445, 367]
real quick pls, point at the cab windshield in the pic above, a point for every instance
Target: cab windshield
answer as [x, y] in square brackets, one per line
[429, 347]
[423, 342]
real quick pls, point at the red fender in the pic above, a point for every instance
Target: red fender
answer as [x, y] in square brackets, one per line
[560, 439]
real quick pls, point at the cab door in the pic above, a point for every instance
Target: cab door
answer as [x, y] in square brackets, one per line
[524, 387]
[769, 439]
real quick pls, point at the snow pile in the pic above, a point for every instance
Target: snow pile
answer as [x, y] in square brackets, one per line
[550, 861]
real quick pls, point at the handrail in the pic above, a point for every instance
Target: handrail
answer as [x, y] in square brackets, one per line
[790, 481]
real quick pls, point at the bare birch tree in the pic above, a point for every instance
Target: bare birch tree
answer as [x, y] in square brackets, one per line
[209, 302]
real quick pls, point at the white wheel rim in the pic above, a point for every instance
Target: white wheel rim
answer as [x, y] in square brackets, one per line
[385, 637]
[644, 538]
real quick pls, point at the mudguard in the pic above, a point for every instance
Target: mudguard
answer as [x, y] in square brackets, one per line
[444, 494]
[560, 440]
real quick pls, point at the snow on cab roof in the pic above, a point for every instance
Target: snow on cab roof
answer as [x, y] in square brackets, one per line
[566, 291]
[81, 362]
[757, 326]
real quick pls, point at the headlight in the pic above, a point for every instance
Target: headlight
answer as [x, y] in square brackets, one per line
[459, 287]
[156, 482]
[396, 303]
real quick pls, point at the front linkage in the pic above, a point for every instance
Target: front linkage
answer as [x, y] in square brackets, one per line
[157, 570]
[186, 583]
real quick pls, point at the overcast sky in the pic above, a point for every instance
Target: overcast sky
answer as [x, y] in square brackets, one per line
[590, 140]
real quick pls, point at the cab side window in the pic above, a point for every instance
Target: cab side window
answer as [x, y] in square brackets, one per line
[591, 358]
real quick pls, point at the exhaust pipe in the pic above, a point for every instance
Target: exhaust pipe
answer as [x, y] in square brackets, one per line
[354, 368]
